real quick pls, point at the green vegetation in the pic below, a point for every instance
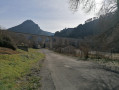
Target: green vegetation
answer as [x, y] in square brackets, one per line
[14, 67]
[32, 80]
[6, 41]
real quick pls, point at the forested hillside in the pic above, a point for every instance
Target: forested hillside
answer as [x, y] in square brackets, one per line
[92, 27]
[109, 40]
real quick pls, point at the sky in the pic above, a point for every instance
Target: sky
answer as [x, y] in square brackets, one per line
[50, 15]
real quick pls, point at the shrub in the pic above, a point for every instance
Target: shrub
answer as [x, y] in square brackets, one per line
[6, 41]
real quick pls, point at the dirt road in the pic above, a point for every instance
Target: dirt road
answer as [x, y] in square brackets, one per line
[61, 72]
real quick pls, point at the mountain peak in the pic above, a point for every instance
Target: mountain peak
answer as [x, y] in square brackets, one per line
[30, 27]
[28, 22]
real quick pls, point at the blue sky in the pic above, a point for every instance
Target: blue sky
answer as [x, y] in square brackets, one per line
[50, 15]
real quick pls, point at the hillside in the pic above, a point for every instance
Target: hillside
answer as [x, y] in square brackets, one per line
[81, 31]
[64, 33]
[110, 39]
[30, 27]
[92, 27]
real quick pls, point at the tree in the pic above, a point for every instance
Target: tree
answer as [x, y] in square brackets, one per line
[106, 5]
[86, 4]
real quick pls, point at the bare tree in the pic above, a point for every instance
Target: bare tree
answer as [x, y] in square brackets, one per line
[86, 4]
[106, 6]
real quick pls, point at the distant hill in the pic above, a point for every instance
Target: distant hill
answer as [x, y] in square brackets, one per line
[92, 27]
[30, 27]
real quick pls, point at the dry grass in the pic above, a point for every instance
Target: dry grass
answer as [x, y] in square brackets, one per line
[7, 51]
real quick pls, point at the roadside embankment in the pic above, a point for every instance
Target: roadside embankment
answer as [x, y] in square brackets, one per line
[16, 70]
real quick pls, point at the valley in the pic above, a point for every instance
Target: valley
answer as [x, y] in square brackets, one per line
[59, 45]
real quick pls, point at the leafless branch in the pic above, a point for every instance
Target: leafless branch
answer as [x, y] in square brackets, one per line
[106, 6]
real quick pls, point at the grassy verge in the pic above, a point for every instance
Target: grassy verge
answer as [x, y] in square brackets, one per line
[14, 67]
[31, 81]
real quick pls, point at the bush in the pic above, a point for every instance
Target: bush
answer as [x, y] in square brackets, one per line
[6, 41]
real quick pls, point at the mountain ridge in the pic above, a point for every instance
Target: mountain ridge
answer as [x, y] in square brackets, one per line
[30, 27]
[92, 27]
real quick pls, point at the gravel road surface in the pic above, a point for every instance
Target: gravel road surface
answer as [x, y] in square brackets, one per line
[60, 72]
